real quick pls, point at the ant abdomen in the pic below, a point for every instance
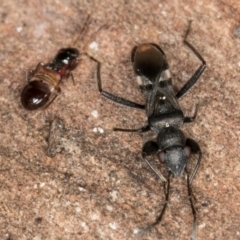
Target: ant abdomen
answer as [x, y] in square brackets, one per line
[42, 88]
[149, 61]
[35, 95]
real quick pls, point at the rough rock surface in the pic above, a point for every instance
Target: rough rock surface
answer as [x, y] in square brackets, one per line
[64, 174]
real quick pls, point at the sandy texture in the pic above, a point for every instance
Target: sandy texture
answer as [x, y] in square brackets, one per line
[64, 173]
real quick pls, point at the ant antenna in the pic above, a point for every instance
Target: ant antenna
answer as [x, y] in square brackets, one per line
[105, 26]
[86, 22]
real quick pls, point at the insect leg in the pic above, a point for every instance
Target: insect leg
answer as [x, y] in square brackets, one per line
[139, 130]
[195, 149]
[190, 196]
[112, 97]
[159, 218]
[198, 72]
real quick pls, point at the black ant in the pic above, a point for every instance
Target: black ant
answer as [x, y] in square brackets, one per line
[165, 117]
[43, 83]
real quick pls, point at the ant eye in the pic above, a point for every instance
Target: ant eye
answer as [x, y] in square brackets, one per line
[161, 156]
[187, 151]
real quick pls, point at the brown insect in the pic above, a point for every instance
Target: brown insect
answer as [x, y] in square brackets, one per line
[43, 83]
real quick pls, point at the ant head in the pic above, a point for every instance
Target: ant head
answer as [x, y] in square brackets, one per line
[148, 61]
[66, 55]
[173, 152]
[175, 159]
[35, 95]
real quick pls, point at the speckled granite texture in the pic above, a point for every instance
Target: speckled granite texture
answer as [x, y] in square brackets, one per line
[64, 174]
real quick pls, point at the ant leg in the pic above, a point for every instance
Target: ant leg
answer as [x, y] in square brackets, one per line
[30, 73]
[72, 77]
[152, 97]
[159, 218]
[112, 97]
[151, 148]
[108, 95]
[190, 196]
[191, 119]
[71, 67]
[199, 71]
[58, 91]
[139, 130]
[195, 148]
[161, 89]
